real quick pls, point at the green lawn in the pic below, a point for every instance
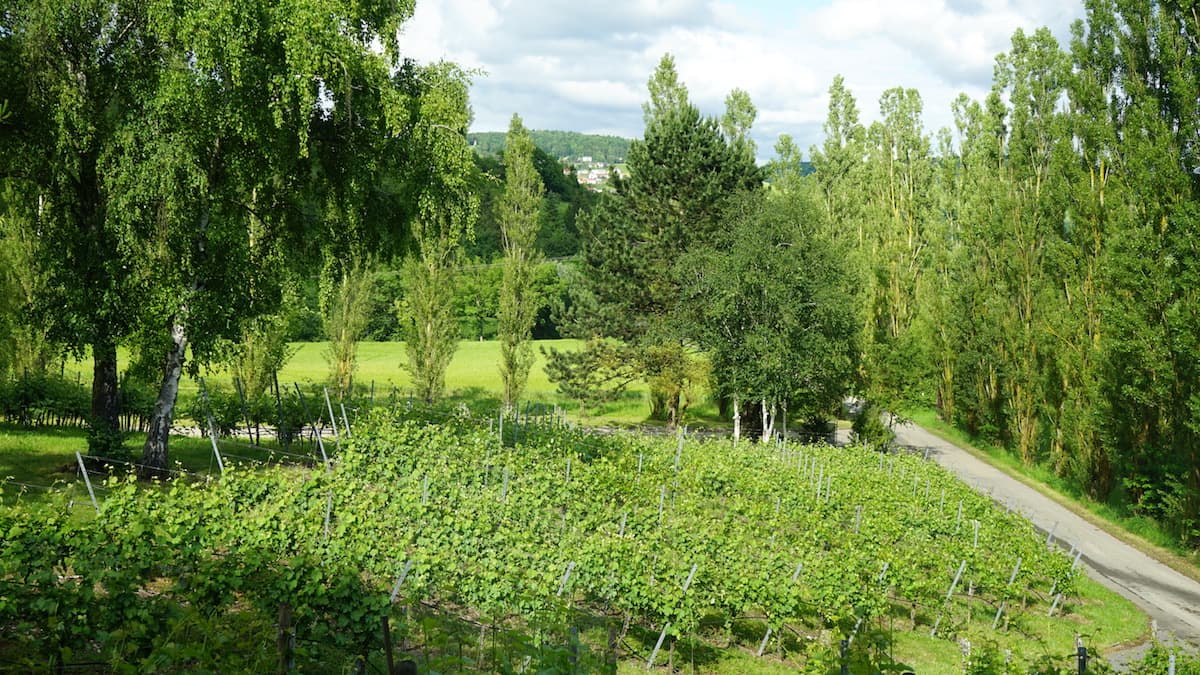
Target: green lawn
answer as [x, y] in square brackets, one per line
[473, 374]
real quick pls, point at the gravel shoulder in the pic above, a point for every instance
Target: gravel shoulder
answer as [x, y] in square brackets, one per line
[1168, 597]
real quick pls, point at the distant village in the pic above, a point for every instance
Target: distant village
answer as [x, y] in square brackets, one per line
[592, 174]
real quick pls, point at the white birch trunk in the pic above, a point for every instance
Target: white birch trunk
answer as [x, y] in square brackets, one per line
[737, 420]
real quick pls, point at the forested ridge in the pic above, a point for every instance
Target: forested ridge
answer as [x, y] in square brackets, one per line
[558, 144]
[1033, 273]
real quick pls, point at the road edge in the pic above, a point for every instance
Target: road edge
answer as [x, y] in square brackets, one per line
[1152, 550]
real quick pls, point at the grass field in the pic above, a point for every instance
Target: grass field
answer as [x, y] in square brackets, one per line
[473, 374]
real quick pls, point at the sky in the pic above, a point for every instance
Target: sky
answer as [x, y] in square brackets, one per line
[582, 65]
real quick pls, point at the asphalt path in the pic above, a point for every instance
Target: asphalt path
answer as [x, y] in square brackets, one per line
[1168, 597]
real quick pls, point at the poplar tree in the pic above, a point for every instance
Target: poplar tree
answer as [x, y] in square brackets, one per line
[520, 207]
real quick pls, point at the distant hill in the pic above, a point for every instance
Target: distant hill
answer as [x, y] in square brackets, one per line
[559, 144]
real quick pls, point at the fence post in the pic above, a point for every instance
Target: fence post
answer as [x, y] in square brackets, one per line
[284, 639]
[387, 645]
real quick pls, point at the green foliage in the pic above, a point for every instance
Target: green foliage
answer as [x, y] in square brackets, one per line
[683, 174]
[346, 317]
[262, 353]
[772, 303]
[446, 209]
[429, 327]
[595, 374]
[491, 529]
[519, 303]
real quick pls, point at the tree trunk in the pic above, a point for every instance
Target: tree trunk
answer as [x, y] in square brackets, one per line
[768, 422]
[104, 437]
[154, 453]
[737, 420]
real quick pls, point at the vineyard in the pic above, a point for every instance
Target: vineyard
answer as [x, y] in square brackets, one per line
[501, 546]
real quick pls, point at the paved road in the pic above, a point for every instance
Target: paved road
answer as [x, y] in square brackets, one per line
[1166, 595]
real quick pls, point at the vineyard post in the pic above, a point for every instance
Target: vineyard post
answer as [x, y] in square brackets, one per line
[679, 448]
[87, 481]
[843, 647]
[858, 510]
[958, 520]
[400, 580]
[425, 490]
[662, 496]
[332, 419]
[1050, 534]
[976, 523]
[280, 428]
[663, 635]
[1171, 664]
[1011, 578]
[387, 645]
[562, 585]
[328, 512]
[303, 405]
[1054, 605]
[1081, 655]
[212, 427]
[949, 594]
[212, 436]
[345, 422]
[324, 457]
[762, 646]
[237, 384]
[285, 640]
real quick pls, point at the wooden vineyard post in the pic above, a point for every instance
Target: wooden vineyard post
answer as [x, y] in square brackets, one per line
[387, 645]
[280, 430]
[285, 641]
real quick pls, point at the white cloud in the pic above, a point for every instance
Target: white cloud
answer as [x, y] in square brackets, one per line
[584, 66]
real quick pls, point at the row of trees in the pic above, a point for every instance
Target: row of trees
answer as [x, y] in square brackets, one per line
[1033, 272]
